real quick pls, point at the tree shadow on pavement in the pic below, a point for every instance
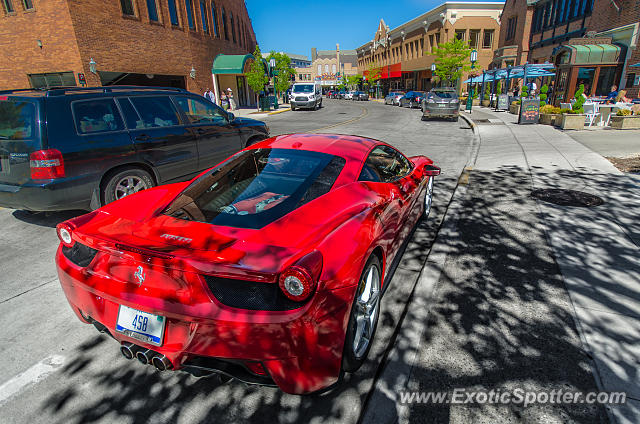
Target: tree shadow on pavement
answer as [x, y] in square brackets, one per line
[501, 317]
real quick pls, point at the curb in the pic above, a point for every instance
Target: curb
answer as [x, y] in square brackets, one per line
[279, 111]
[468, 120]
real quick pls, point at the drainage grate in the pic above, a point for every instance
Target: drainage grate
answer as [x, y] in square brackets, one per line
[567, 197]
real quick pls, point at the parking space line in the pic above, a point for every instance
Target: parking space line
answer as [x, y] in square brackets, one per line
[33, 375]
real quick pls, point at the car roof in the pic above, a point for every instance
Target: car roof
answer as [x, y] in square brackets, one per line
[347, 146]
[119, 89]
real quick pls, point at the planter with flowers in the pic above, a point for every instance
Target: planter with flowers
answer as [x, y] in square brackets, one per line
[549, 114]
[573, 119]
[626, 119]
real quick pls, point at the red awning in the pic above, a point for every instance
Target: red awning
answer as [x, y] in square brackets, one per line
[395, 70]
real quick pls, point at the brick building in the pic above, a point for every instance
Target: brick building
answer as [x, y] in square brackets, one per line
[152, 42]
[592, 42]
[403, 53]
[329, 67]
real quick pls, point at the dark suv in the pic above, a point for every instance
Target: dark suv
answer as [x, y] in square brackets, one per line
[80, 148]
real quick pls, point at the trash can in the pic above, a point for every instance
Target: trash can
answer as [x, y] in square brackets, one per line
[264, 104]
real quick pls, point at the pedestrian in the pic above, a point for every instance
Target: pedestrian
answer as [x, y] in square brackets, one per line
[516, 91]
[208, 94]
[232, 102]
[224, 101]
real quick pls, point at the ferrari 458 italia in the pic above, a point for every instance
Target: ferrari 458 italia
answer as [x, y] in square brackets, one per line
[268, 268]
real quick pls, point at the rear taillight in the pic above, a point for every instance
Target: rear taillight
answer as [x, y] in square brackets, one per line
[300, 280]
[46, 164]
[64, 231]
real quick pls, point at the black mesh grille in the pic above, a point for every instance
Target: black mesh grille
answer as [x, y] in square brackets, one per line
[79, 254]
[250, 295]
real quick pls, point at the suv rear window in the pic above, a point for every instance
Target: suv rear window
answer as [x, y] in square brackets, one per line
[256, 187]
[17, 120]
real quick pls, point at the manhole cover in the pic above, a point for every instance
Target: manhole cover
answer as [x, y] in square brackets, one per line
[567, 197]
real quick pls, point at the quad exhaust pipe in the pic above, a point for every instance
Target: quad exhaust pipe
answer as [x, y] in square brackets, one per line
[145, 356]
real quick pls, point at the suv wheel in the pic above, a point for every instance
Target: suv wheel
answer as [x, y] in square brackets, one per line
[125, 182]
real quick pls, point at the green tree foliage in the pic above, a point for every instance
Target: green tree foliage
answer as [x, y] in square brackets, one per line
[487, 92]
[257, 77]
[283, 70]
[353, 81]
[577, 106]
[374, 74]
[452, 60]
[524, 92]
[543, 94]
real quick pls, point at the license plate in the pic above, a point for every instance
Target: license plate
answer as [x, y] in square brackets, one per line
[140, 325]
[442, 105]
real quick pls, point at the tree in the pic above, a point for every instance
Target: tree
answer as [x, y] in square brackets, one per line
[257, 77]
[452, 60]
[577, 106]
[353, 81]
[374, 74]
[283, 69]
[543, 94]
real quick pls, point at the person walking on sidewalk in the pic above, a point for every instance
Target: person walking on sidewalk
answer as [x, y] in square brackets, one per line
[224, 101]
[232, 102]
[208, 94]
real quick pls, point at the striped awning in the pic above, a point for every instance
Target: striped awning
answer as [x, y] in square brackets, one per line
[588, 54]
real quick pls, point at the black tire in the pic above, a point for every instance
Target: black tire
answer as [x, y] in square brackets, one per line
[423, 118]
[293, 108]
[112, 183]
[351, 362]
[253, 140]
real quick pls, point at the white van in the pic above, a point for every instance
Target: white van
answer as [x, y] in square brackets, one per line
[307, 95]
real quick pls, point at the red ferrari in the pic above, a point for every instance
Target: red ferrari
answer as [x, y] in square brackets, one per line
[267, 268]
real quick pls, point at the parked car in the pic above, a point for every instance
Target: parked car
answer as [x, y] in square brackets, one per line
[412, 99]
[360, 95]
[243, 271]
[442, 103]
[306, 95]
[81, 148]
[393, 98]
[349, 95]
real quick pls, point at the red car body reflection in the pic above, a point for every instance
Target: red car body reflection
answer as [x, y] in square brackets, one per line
[131, 253]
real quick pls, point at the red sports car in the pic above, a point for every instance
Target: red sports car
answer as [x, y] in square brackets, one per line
[267, 268]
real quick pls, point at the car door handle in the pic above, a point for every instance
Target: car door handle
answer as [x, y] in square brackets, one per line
[142, 137]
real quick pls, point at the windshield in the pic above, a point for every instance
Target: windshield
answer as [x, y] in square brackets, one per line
[303, 88]
[445, 94]
[17, 120]
[256, 187]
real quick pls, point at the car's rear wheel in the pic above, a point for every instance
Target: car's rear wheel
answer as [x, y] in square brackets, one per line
[364, 316]
[428, 198]
[125, 182]
[293, 107]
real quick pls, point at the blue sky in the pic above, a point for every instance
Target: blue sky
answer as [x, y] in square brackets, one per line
[296, 26]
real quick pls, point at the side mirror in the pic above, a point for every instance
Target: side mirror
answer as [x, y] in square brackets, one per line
[231, 116]
[431, 170]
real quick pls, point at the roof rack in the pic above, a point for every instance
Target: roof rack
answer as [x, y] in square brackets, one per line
[62, 90]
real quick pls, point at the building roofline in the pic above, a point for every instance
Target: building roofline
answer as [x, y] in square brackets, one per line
[499, 5]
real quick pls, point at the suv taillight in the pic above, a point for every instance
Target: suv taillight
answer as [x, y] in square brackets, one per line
[46, 164]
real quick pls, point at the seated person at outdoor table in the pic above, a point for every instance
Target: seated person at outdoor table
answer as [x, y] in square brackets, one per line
[622, 97]
[613, 94]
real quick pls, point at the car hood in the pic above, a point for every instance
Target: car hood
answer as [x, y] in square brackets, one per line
[247, 122]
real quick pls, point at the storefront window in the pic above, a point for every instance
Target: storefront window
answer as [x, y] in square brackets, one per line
[585, 76]
[605, 80]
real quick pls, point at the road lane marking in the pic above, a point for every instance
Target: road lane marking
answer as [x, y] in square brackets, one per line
[33, 375]
[364, 113]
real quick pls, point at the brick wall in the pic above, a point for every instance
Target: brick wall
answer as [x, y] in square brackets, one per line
[97, 29]
[20, 55]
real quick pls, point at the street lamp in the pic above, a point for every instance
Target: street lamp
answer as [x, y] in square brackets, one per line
[92, 66]
[192, 72]
[433, 71]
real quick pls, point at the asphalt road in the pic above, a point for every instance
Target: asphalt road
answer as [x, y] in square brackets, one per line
[57, 370]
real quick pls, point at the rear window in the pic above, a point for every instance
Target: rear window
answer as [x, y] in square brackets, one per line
[256, 187]
[17, 120]
[444, 94]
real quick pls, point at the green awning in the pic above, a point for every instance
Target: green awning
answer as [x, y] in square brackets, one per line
[230, 63]
[589, 54]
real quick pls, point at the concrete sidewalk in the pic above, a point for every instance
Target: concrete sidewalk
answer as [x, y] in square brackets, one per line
[532, 295]
[254, 113]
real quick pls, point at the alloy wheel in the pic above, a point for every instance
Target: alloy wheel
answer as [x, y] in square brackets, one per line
[367, 311]
[128, 185]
